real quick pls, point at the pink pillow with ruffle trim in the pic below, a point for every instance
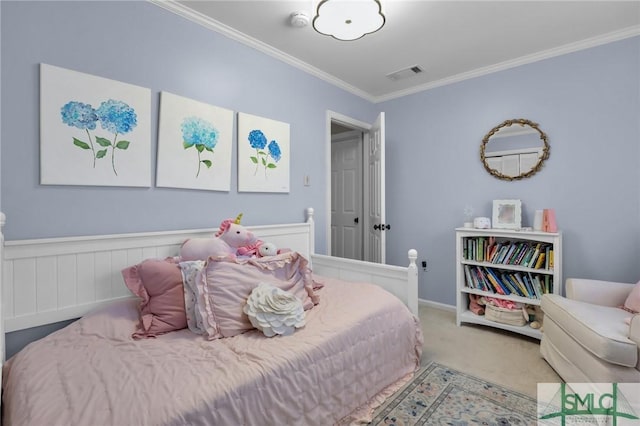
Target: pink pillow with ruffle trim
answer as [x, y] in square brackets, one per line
[159, 284]
[632, 303]
[228, 282]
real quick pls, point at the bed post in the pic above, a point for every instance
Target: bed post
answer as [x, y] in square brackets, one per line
[2, 352]
[312, 232]
[413, 283]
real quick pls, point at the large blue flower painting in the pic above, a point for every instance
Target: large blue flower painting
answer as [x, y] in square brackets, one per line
[95, 131]
[115, 117]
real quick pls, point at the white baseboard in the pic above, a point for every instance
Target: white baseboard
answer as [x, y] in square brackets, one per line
[437, 305]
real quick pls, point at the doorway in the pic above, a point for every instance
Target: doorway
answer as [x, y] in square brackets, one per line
[346, 192]
[355, 194]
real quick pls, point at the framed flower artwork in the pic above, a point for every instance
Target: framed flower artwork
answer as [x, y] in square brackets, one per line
[507, 214]
[93, 130]
[263, 154]
[194, 144]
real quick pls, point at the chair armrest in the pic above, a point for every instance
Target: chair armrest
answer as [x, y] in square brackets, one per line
[598, 292]
[634, 329]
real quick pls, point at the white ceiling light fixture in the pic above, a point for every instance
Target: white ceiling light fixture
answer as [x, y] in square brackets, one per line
[348, 19]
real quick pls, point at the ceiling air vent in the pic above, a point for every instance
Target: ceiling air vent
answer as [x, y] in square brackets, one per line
[405, 73]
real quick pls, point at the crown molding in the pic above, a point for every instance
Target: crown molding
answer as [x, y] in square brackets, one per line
[523, 60]
[212, 24]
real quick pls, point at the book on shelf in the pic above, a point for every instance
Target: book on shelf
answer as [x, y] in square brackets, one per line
[497, 283]
[494, 250]
[481, 282]
[525, 249]
[490, 245]
[510, 254]
[479, 249]
[511, 260]
[540, 261]
[534, 256]
[467, 277]
[503, 252]
[523, 284]
[511, 283]
[534, 287]
[490, 282]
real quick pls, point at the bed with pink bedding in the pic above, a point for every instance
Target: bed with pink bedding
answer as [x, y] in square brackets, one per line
[184, 351]
[358, 346]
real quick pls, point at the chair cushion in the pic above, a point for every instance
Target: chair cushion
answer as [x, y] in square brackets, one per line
[600, 329]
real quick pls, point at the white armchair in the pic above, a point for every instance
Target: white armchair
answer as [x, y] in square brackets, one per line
[586, 336]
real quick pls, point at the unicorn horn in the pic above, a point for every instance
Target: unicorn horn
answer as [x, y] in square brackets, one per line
[237, 221]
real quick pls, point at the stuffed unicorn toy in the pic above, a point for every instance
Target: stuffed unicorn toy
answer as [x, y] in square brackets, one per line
[226, 242]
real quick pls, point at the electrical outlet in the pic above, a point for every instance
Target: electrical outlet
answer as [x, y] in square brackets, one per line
[424, 265]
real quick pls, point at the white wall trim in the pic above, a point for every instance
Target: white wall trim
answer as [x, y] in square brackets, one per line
[205, 21]
[523, 60]
[232, 33]
[437, 305]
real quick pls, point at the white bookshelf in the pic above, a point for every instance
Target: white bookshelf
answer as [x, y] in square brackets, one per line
[552, 274]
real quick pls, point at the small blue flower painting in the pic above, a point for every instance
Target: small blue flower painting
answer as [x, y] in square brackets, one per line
[263, 154]
[95, 131]
[265, 159]
[194, 144]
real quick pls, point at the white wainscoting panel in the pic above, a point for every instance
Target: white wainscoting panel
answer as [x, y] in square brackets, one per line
[56, 279]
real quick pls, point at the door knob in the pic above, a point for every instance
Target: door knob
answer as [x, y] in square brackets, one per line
[356, 220]
[376, 227]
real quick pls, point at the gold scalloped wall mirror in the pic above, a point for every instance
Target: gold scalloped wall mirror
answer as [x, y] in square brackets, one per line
[515, 149]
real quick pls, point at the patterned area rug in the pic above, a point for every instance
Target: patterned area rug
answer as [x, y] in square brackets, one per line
[439, 395]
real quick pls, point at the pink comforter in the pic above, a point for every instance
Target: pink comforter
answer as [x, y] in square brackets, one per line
[359, 345]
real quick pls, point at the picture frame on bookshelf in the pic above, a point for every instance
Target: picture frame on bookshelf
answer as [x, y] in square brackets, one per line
[507, 214]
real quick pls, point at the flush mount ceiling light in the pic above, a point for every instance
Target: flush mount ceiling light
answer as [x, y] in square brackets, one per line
[348, 19]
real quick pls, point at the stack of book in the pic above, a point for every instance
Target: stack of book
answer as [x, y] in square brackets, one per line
[516, 283]
[529, 254]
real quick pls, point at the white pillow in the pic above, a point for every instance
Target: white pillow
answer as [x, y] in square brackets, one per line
[274, 311]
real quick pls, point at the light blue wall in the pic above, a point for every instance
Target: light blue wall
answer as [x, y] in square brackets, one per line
[143, 44]
[588, 104]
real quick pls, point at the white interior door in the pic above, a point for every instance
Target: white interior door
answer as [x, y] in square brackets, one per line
[346, 195]
[373, 186]
[376, 226]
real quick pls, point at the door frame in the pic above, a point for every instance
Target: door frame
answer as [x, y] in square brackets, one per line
[356, 125]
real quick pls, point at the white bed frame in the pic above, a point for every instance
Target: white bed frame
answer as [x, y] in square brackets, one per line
[55, 279]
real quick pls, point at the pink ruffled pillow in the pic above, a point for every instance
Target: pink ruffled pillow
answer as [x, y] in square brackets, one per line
[159, 284]
[228, 282]
[632, 304]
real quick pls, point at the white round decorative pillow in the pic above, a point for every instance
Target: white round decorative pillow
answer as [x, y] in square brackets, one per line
[274, 311]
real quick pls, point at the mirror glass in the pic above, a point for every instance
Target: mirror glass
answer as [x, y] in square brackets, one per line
[515, 149]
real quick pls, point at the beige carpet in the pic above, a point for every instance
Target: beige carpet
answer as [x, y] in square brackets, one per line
[501, 357]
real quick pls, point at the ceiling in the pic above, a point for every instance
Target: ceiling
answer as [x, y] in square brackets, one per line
[450, 40]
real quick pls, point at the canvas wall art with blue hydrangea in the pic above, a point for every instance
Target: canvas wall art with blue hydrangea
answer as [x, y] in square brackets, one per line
[114, 116]
[263, 154]
[194, 144]
[94, 131]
